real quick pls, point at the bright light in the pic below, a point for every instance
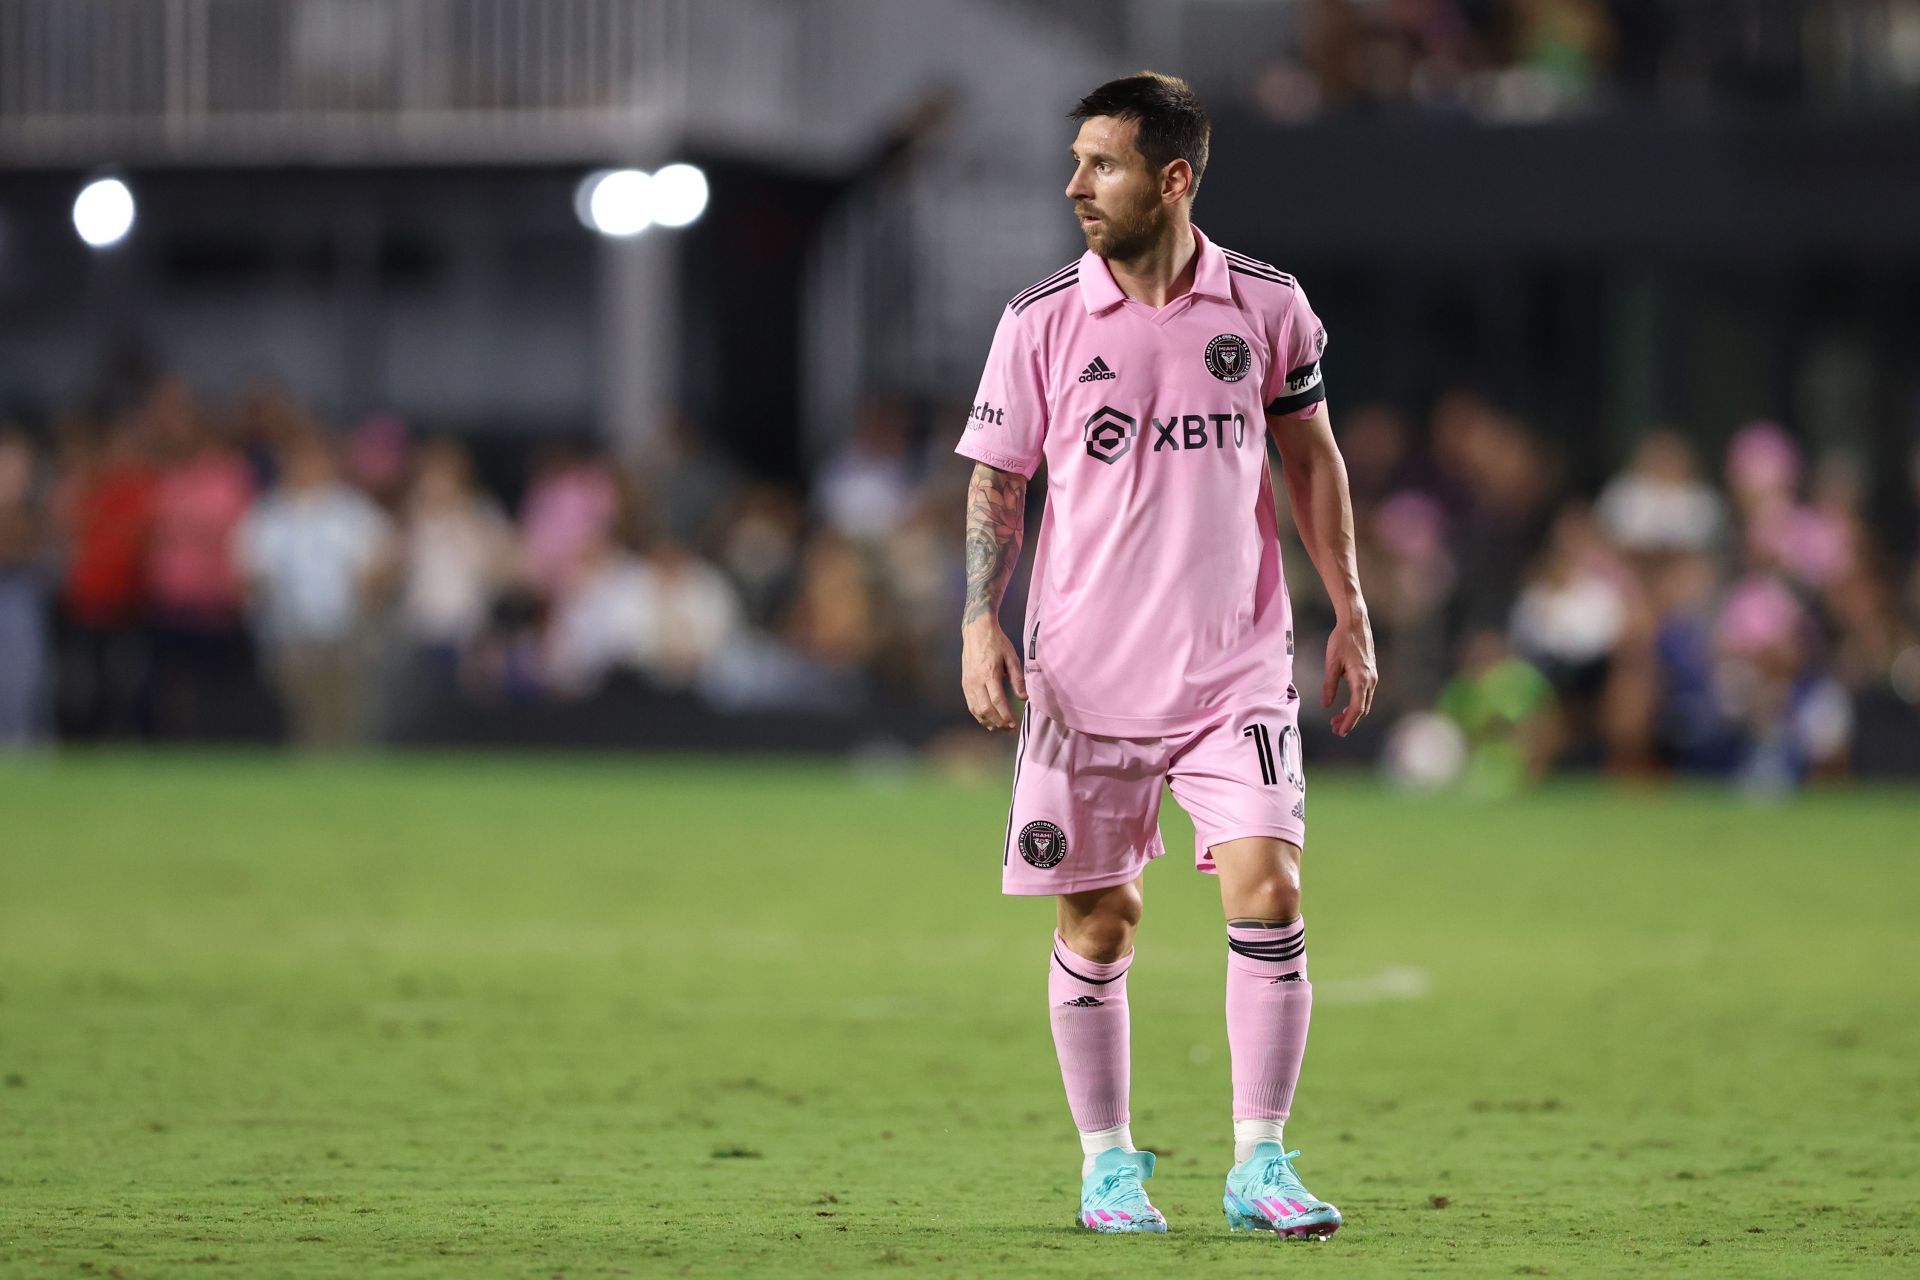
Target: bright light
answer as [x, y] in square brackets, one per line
[679, 195]
[103, 212]
[616, 202]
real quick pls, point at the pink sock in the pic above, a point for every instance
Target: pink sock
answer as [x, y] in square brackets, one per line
[1088, 1002]
[1269, 1001]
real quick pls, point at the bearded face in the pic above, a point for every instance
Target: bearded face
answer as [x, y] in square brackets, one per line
[1116, 196]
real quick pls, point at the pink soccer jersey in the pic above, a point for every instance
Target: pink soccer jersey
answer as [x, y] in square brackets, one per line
[1157, 598]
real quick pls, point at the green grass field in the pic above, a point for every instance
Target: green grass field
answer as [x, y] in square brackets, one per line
[633, 1017]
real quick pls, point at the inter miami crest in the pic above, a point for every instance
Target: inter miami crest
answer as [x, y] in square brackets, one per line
[1229, 357]
[1043, 844]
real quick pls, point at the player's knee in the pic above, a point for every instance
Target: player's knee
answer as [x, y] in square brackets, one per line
[1102, 938]
[1272, 896]
[1100, 926]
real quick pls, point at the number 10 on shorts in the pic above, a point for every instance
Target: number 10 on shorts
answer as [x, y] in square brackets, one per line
[1289, 758]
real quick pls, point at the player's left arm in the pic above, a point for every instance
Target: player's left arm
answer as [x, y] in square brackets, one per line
[1316, 477]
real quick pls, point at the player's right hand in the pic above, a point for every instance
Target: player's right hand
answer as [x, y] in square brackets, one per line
[989, 663]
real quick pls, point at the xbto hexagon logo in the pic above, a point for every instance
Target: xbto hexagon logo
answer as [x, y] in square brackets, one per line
[1109, 434]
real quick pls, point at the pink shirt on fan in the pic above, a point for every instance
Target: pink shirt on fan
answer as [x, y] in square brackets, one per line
[1157, 599]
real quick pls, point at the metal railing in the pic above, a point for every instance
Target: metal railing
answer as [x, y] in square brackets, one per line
[497, 79]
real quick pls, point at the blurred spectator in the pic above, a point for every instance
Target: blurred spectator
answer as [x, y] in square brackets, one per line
[1563, 46]
[458, 553]
[571, 511]
[1409, 575]
[1497, 484]
[1375, 442]
[1504, 709]
[105, 511]
[760, 551]
[686, 484]
[834, 619]
[377, 456]
[1762, 469]
[1794, 719]
[311, 550]
[697, 615]
[922, 590]
[1692, 729]
[661, 617]
[196, 597]
[604, 619]
[23, 622]
[1571, 616]
[1660, 504]
[866, 489]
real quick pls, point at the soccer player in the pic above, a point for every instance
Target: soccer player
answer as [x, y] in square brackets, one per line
[1149, 375]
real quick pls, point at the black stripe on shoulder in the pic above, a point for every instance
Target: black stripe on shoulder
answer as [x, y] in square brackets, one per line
[1041, 284]
[1020, 305]
[1284, 281]
[1270, 277]
[1255, 263]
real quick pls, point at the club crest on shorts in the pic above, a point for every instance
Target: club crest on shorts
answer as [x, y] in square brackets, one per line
[1043, 844]
[1229, 357]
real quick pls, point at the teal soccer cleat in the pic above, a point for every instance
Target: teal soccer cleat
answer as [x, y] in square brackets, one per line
[1111, 1197]
[1265, 1194]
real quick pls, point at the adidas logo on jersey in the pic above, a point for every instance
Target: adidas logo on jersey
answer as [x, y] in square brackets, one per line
[1097, 372]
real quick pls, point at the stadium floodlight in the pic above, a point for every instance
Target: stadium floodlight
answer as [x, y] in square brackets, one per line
[616, 202]
[679, 195]
[103, 212]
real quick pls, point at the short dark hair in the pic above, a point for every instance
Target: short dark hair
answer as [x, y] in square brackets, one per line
[1173, 124]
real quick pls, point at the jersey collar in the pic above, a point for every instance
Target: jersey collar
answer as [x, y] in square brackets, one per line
[1210, 279]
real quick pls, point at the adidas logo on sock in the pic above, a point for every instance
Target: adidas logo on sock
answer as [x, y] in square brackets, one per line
[1082, 1002]
[1097, 372]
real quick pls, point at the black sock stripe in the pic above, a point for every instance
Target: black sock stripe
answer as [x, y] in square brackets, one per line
[1252, 952]
[1269, 944]
[1279, 940]
[1288, 944]
[1098, 982]
[1278, 944]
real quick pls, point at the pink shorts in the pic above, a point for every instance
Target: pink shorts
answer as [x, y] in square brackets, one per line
[1086, 809]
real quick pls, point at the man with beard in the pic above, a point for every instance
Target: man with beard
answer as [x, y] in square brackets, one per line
[1158, 644]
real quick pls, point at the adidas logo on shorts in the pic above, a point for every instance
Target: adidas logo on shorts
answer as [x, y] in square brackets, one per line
[1097, 372]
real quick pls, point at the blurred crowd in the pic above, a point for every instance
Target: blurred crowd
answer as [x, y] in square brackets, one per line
[162, 564]
[1680, 621]
[1531, 59]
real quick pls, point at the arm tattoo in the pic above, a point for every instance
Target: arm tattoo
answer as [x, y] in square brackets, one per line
[996, 525]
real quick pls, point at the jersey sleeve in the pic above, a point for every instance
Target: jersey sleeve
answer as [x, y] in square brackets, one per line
[1007, 423]
[1294, 381]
